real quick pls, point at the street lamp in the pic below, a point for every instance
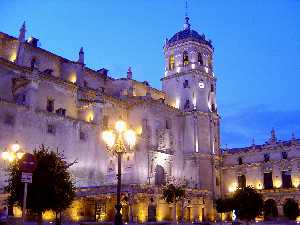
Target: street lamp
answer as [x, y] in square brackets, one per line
[118, 141]
[13, 153]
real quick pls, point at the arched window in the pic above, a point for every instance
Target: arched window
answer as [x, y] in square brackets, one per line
[160, 176]
[242, 181]
[200, 59]
[209, 62]
[171, 62]
[185, 59]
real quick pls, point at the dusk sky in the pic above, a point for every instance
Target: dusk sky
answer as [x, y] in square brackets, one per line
[257, 47]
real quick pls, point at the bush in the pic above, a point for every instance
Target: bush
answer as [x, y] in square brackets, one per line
[291, 209]
[247, 203]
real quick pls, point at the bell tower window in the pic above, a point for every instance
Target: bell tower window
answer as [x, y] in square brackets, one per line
[200, 59]
[171, 62]
[209, 63]
[185, 59]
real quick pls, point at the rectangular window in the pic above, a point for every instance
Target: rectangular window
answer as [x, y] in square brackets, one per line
[50, 105]
[50, 129]
[9, 120]
[61, 112]
[168, 124]
[105, 121]
[266, 157]
[82, 136]
[186, 84]
[286, 179]
[284, 155]
[268, 180]
[241, 181]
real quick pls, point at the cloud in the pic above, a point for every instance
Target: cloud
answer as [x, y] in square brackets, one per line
[240, 126]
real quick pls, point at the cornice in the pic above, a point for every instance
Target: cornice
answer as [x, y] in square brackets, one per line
[263, 148]
[188, 72]
[261, 163]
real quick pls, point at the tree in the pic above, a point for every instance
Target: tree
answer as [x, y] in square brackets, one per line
[52, 187]
[291, 209]
[247, 203]
[172, 194]
[224, 205]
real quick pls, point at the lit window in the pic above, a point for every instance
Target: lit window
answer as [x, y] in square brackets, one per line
[209, 63]
[185, 59]
[105, 121]
[171, 62]
[242, 181]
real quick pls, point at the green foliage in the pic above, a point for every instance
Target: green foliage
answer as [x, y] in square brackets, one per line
[52, 187]
[224, 205]
[171, 193]
[247, 203]
[291, 209]
[270, 208]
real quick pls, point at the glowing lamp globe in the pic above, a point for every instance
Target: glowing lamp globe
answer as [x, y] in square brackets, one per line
[109, 138]
[120, 126]
[15, 147]
[130, 137]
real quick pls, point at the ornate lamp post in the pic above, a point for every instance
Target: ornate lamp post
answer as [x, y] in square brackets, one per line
[13, 153]
[118, 141]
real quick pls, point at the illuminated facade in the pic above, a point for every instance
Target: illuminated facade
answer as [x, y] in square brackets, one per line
[47, 99]
[272, 168]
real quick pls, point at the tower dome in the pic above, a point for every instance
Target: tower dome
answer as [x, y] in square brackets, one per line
[187, 34]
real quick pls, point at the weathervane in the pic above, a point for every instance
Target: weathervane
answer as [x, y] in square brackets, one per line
[186, 25]
[186, 8]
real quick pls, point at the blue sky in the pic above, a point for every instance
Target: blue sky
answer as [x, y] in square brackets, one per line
[257, 45]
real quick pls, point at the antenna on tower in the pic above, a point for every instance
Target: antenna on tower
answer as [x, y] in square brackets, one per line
[186, 25]
[186, 8]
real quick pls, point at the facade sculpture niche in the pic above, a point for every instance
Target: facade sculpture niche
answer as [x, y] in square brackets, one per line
[165, 139]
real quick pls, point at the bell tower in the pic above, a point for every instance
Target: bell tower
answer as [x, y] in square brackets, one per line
[190, 85]
[189, 79]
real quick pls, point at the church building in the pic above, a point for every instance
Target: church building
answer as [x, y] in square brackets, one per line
[63, 104]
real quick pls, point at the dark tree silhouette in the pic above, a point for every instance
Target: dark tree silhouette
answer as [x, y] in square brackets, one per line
[52, 187]
[270, 208]
[224, 205]
[291, 209]
[248, 204]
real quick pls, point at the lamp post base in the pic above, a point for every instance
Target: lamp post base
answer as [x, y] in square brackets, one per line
[118, 216]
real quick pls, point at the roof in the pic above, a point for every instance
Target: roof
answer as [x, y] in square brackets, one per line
[287, 143]
[187, 34]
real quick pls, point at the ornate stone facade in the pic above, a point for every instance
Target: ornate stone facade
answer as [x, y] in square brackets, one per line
[47, 99]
